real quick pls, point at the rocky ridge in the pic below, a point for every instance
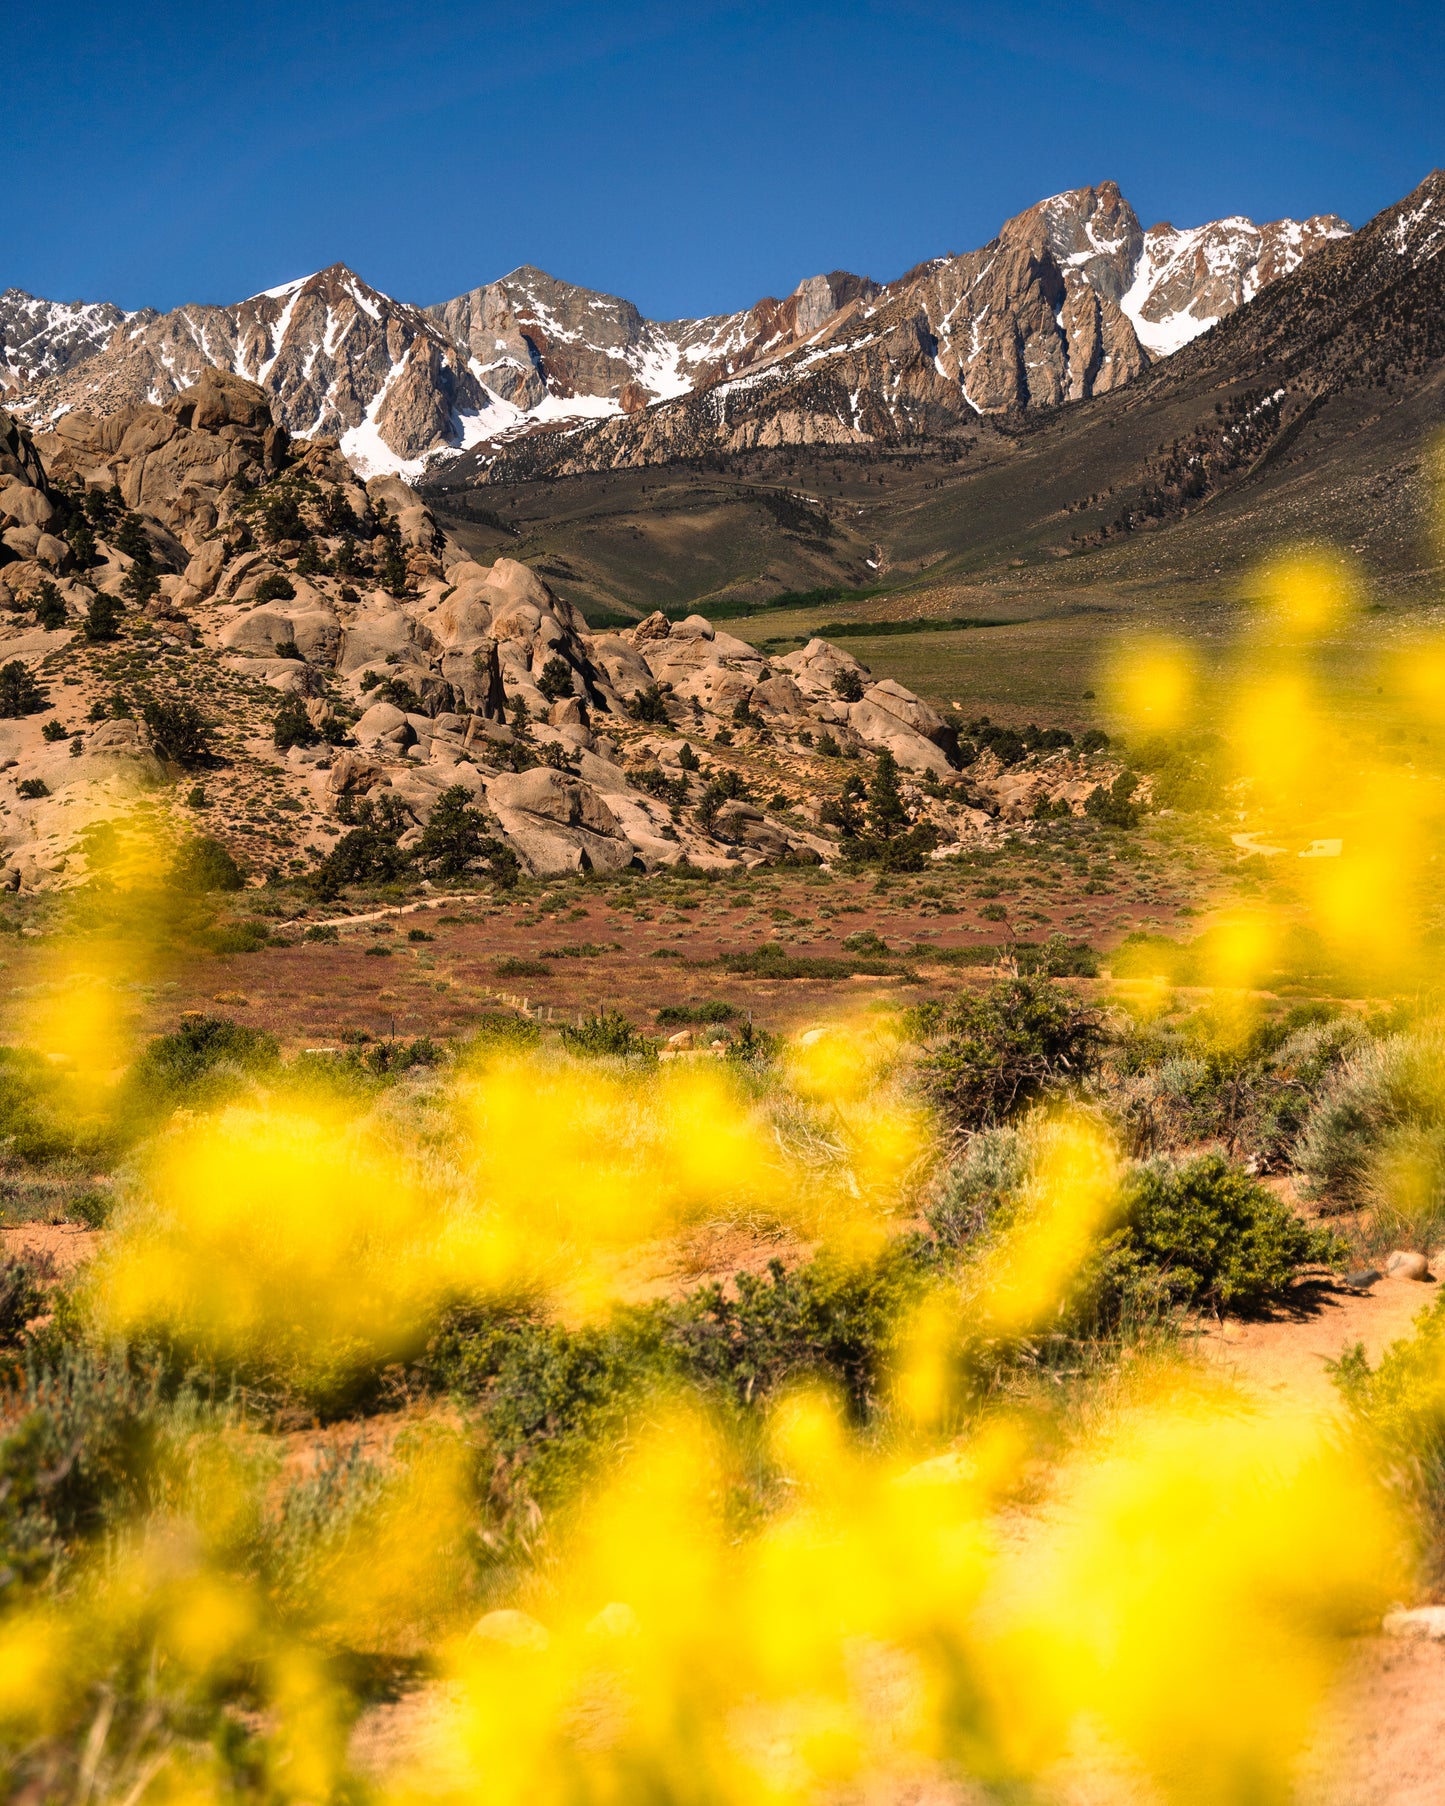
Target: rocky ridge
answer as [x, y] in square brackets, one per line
[260, 577]
[1072, 299]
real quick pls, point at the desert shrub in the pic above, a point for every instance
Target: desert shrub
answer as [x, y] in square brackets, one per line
[555, 681]
[50, 611]
[321, 931]
[1004, 1047]
[102, 618]
[90, 1443]
[557, 1402]
[603, 1034]
[292, 726]
[1206, 1233]
[510, 966]
[275, 588]
[1200, 1233]
[992, 1168]
[54, 732]
[848, 686]
[199, 1063]
[772, 960]
[1058, 957]
[179, 731]
[1399, 1409]
[19, 692]
[32, 788]
[833, 1317]
[39, 1121]
[1189, 1083]
[1376, 1137]
[679, 1015]
[204, 863]
[498, 1033]
[23, 1282]
[649, 704]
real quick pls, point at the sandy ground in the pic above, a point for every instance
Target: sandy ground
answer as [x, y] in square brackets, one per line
[1285, 1356]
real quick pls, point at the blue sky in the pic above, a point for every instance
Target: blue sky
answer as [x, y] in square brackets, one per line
[691, 156]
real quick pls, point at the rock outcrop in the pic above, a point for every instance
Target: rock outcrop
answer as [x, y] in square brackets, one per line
[259, 569]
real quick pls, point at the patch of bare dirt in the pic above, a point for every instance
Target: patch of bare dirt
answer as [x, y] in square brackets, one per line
[67, 1244]
[1285, 1356]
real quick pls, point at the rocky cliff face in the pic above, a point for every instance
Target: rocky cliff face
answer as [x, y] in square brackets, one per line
[1072, 299]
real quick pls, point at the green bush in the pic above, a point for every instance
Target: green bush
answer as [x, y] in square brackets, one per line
[32, 788]
[89, 1445]
[1114, 807]
[38, 1122]
[1004, 1047]
[50, 611]
[556, 679]
[495, 1033]
[200, 1063]
[1058, 957]
[1206, 1233]
[1399, 1409]
[292, 726]
[649, 704]
[275, 588]
[456, 837]
[24, 1279]
[179, 731]
[203, 864]
[102, 618]
[679, 1015]
[832, 1317]
[19, 692]
[368, 853]
[1375, 1140]
[605, 1033]
[1198, 1233]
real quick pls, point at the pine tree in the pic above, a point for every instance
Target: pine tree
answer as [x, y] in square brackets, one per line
[49, 607]
[886, 813]
[102, 618]
[455, 836]
[19, 692]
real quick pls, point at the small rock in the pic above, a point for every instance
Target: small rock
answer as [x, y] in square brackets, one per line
[1403, 1264]
[1423, 1621]
[615, 1620]
[1362, 1278]
[513, 1628]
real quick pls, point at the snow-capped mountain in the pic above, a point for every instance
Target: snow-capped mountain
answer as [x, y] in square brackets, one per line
[1072, 298]
[340, 358]
[43, 338]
